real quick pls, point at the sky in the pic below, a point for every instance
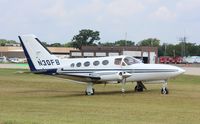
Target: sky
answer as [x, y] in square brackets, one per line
[59, 20]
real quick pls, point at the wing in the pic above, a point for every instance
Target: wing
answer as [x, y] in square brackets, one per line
[97, 76]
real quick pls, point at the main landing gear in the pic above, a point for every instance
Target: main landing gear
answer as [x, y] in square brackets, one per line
[140, 87]
[89, 89]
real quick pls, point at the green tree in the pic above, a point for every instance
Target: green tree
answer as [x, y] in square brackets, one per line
[150, 42]
[198, 51]
[161, 50]
[187, 49]
[85, 37]
[68, 44]
[3, 42]
[56, 45]
[180, 49]
[124, 43]
[191, 49]
[118, 43]
[45, 44]
[106, 44]
[170, 50]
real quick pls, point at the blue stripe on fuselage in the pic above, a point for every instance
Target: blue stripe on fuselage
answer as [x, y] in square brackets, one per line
[127, 70]
[30, 63]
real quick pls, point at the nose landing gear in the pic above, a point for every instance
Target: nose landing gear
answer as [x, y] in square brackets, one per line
[164, 89]
[89, 90]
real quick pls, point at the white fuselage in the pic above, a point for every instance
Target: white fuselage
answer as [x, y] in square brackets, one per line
[108, 70]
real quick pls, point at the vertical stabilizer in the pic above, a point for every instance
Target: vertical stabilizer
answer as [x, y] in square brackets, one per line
[38, 56]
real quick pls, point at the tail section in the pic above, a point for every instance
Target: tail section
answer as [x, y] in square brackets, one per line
[38, 56]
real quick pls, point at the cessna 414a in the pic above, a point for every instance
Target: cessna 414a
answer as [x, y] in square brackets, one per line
[99, 70]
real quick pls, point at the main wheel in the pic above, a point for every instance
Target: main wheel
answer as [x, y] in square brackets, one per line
[164, 91]
[138, 88]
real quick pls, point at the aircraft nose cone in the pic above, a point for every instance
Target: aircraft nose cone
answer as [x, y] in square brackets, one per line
[181, 71]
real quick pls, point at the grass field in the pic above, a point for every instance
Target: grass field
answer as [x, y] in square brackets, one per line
[34, 99]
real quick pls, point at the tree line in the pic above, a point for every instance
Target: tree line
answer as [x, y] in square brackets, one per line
[87, 37]
[3, 42]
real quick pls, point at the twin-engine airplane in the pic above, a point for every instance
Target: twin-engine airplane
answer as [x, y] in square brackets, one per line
[101, 70]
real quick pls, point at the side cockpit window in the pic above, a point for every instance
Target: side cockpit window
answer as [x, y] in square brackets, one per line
[130, 61]
[118, 61]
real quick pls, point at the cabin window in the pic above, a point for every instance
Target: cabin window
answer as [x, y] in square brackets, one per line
[95, 63]
[86, 64]
[105, 62]
[72, 65]
[118, 61]
[78, 64]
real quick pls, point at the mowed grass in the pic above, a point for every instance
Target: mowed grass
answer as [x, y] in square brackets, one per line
[27, 98]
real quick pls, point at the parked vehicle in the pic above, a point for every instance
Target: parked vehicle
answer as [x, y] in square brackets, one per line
[178, 60]
[3, 59]
[198, 59]
[191, 59]
[164, 59]
[167, 59]
[17, 60]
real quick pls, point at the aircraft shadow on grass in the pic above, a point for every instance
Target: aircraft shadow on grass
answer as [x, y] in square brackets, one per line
[78, 93]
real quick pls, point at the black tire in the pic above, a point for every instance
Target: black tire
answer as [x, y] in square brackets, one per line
[164, 91]
[93, 91]
[138, 88]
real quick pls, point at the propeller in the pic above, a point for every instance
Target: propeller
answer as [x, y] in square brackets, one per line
[124, 76]
[123, 84]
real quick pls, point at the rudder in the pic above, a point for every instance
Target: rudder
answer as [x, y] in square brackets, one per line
[38, 56]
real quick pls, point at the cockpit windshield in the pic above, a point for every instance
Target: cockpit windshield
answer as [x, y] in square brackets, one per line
[130, 60]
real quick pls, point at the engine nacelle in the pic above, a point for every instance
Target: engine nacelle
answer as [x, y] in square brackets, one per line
[111, 77]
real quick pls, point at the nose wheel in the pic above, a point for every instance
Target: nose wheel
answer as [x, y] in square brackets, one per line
[89, 89]
[164, 89]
